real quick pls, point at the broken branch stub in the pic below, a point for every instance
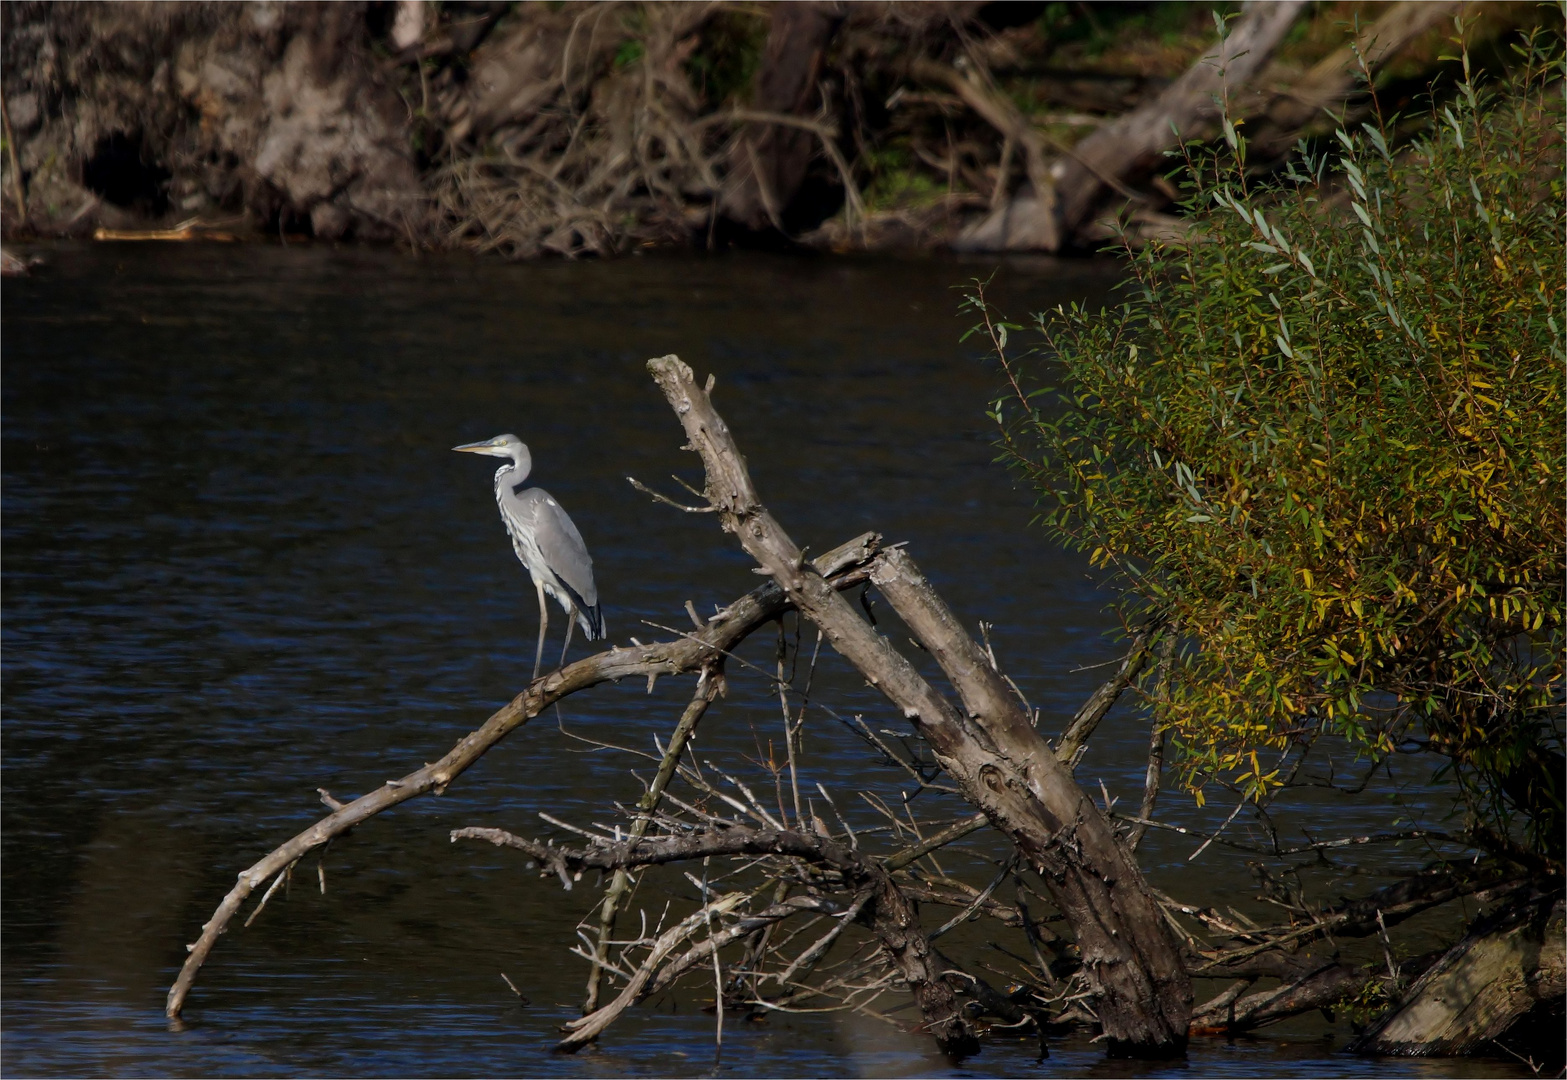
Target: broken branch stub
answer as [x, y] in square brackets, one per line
[1002, 765]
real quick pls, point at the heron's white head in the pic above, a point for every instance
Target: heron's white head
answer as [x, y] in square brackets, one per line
[505, 446]
[500, 446]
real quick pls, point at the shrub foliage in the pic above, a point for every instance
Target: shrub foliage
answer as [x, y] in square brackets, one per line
[1324, 440]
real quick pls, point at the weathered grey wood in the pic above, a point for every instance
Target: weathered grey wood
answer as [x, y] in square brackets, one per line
[1480, 987]
[1002, 765]
[722, 633]
[1334, 78]
[1136, 141]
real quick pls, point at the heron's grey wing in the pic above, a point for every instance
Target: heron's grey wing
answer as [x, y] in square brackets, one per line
[560, 543]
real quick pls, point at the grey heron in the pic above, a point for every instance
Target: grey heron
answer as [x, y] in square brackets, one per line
[546, 541]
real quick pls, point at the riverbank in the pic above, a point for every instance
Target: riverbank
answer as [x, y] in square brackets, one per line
[603, 128]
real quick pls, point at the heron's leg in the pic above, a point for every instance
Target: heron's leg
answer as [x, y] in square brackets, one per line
[571, 624]
[544, 625]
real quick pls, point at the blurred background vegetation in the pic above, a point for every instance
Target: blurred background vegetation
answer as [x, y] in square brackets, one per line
[605, 127]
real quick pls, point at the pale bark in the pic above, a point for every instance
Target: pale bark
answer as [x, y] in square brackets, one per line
[1000, 762]
[1190, 108]
[1480, 987]
[1331, 82]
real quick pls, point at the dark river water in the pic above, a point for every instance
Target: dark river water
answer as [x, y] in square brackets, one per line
[241, 563]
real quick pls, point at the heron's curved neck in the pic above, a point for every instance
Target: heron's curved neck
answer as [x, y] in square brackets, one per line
[509, 476]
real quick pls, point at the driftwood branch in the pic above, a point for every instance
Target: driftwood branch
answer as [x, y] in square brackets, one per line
[685, 654]
[1001, 763]
[707, 689]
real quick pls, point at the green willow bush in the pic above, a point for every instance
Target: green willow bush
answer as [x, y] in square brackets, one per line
[1324, 440]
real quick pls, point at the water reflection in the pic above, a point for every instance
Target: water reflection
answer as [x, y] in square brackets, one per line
[241, 564]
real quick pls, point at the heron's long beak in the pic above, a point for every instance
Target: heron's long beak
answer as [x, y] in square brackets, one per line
[476, 447]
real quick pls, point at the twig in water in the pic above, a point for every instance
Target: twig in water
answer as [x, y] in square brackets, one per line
[1387, 950]
[1204, 845]
[783, 702]
[854, 843]
[718, 975]
[979, 901]
[522, 999]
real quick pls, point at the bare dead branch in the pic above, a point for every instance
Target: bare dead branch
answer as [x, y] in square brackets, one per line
[1078, 732]
[688, 653]
[666, 500]
[935, 841]
[706, 690]
[893, 920]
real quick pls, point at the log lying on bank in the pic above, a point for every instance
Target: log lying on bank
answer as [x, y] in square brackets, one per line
[1141, 992]
[1334, 79]
[1134, 144]
[1190, 109]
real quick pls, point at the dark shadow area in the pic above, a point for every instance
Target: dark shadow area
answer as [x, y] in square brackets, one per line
[119, 173]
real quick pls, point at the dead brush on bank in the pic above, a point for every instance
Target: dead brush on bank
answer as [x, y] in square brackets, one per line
[636, 141]
[613, 154]
[601, 127]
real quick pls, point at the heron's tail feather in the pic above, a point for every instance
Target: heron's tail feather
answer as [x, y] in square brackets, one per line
[592, 621]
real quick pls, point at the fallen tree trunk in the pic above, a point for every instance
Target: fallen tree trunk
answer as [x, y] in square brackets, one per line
[1331, 82]
[1001, 763]
[1499, 972]
[1189, 109]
